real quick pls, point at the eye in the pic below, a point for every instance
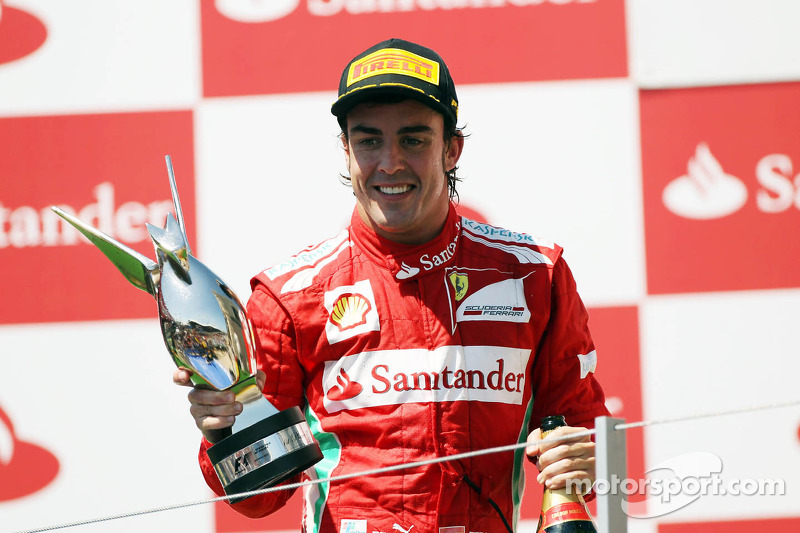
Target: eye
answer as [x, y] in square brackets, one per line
[368, 142]
[413, 141]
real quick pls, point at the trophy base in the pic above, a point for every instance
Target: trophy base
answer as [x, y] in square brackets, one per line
[265, 454]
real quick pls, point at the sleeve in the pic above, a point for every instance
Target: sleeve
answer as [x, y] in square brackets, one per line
[276, 355]
[563, 379]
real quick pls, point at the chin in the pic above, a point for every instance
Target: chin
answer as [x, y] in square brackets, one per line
[394, 222]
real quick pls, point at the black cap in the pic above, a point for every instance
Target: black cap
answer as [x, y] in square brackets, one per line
[402, 68]
[552, 422]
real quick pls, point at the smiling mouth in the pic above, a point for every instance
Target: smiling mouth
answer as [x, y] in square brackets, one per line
[400, 189]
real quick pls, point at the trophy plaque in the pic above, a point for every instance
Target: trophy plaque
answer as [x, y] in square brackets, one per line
[206, 330]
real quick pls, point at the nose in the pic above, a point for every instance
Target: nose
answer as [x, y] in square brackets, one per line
[391, 159]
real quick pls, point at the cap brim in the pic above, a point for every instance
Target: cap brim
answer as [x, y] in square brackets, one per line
[348, 101]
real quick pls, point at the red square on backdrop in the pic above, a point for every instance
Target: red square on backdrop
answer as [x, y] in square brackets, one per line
[288, 518]
[615, 331]
[110, 170]
[721, 189]
[285, 46]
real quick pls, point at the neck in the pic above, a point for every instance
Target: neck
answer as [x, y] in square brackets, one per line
[408, 237]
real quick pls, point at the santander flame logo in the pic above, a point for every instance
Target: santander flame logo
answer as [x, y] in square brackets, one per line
[705, 191]
[344, 388]
[407, 271]
[24, 467]
[21, 33]
[350, 310]
[256, 10]
[268, 10]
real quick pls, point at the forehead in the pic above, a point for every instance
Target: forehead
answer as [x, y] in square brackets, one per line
[394, 115]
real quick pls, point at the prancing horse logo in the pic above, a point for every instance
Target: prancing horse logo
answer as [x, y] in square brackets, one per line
[460, 284]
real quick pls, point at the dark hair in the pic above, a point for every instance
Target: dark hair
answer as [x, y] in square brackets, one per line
[450, 131]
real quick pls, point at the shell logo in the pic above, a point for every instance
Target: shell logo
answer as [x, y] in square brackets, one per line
[349, 310]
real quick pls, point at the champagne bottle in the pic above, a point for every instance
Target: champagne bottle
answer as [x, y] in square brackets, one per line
[562, 512]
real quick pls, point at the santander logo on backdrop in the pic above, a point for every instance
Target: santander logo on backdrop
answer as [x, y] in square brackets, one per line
[21, 33]
[706, 191]
[720, 187]
[106, 168]
[588, 34]
[25, 468]
[26, 226]
[255, 11]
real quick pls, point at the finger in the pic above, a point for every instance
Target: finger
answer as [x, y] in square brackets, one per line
[199, 410]
[567, 452]
[578, 472]
[579, 466]
[215, 416]
[214, 422]
[566, 466]
[575, 482]
[562, 436]
[532, 450]
[569, 434]
[210, 397]
[182, 377]
[577, 434]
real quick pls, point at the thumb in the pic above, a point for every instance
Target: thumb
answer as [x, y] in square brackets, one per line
[182, 376]
[532, 450]
[261, 379]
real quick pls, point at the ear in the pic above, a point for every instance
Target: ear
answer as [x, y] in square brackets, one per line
[453, 151]
[346, 148]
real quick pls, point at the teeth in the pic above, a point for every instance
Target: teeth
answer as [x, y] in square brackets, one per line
[395, 190]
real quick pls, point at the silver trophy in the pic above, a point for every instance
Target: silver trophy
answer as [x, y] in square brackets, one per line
[206, 330]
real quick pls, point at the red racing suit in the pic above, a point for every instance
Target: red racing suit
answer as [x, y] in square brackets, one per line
[403, 353]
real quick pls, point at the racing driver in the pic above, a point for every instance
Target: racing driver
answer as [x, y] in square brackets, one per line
[416, 333]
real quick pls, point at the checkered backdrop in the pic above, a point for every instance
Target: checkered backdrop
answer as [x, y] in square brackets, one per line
[656, 140]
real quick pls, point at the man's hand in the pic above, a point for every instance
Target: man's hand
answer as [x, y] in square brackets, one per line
[564, 460]
[212, 410]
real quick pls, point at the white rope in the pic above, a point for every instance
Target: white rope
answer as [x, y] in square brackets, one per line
[714, 414]
[414, 464]
[293, 486]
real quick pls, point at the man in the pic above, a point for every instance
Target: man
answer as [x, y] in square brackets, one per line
[414, 333]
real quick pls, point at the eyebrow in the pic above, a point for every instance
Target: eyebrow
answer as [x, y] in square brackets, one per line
[366, 130]
[405, 130]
